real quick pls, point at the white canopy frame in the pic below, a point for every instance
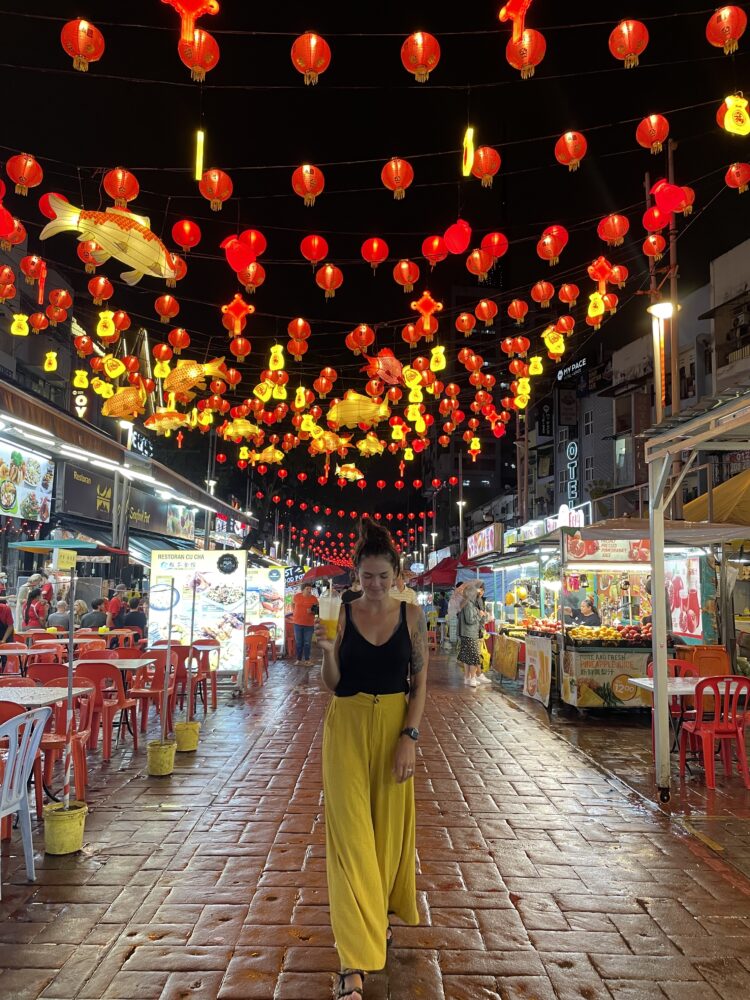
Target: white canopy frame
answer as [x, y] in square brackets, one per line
[719, 424]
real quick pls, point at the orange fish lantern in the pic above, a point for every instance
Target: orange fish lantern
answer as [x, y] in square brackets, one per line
[189, 375]
[311, 56]
[127, 403]
[163, 421]
[385, 367]
[190, 11]
[83, 42]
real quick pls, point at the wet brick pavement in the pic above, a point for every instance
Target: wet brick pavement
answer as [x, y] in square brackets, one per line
[540, 877]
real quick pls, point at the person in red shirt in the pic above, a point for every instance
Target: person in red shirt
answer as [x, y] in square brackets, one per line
[35, 609]
[117, 608]
[6, 622]
[48, 591]
[303, 619]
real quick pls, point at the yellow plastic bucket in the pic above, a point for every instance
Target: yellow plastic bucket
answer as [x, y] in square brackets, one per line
[63, 828]
[187, 735]
[160, 757]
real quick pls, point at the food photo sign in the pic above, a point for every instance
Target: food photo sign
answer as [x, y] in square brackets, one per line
[26, 480]
[265, 597]
[205, 592]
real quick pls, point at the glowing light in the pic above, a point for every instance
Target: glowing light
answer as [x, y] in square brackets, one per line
[468, 152]
[200, 139]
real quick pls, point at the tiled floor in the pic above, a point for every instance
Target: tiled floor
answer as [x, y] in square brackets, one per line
[539, 877]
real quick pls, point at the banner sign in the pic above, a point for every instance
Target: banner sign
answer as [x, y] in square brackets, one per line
[91, 495]
[26, 480]
[486, 541]
[205, 590]
[505, 656]
[612, 550]
[601, 678]
[264, 586]
[537, 680]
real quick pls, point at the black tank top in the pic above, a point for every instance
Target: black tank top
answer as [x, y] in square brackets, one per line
[370, 669]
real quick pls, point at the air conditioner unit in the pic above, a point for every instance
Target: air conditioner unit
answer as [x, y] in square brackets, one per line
[741, 319]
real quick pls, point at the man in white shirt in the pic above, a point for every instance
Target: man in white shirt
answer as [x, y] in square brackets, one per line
[403, 593]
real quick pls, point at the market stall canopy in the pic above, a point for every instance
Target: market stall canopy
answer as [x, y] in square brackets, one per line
[729, 502]
[50, 544]
[441, 575]
[322, 573]
[675, 532]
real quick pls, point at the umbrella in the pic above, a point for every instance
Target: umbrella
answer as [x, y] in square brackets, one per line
[322, 573]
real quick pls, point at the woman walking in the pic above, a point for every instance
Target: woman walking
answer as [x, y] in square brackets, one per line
[469, 633]
[304, 604]
[379, 657]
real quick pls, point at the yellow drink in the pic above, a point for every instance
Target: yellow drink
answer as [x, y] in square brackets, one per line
[328, 611]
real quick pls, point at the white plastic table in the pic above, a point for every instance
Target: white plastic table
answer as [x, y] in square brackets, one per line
[40, 697]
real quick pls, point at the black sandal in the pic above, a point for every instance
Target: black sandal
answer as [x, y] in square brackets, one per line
[341, 990]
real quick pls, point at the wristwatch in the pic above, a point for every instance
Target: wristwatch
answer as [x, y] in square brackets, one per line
[411, 732]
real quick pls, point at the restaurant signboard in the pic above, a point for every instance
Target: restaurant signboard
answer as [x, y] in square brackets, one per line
[26, 479]
[485, 542]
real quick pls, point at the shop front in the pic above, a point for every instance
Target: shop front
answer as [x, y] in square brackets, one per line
[27, 480]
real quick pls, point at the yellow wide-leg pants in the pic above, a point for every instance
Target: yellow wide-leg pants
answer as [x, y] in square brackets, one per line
[370, 826]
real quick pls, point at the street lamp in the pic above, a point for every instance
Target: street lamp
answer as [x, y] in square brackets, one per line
[660, 311]
[460, 504]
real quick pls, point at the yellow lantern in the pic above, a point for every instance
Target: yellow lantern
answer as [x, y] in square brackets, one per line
[411, 377]
[276, 362]
[416, 395]
[437, 359]
[80, 379]
[244, 452]
[736, 118]
[300, 399]
[408, 454]
[106, 327]
[535, 366]
[50, 361]
[263, 391]
[596, 305]
[161, 369]
[20, 325]
[102, 388]
[279, 392]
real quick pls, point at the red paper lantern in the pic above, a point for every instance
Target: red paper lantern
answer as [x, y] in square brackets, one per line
[486, 310]
[570, 149]
[542, 293]
[199, 52]
[613, 229]
[83, 42]
[653, 246]
[525, 53]
[686, 206]
[56, 315]
[610, 302]
[252, 276]
[84, 345]
[654, 220]
[628, 41]
[240, 347]
[44, 203]
[486, 164]
[314, 248]
[166, 306]
[565, 325]
[87, 252]
[308, 182]
[24, 171]
[186, 234]
[410, 334]
[397, 175]
[12, 230]
[549, 248]
[738, 177]
[496, 244]
[457, 236]
[374, 251]
[100, 290]
[38, 322]
[619, 275]
[32, 266]
[311, 56]
[61, 298]
[569, 294]
[179, 269]
[216, 186]
[517, 310]
[298, 329]
[668, 197]
[121, 186]
[725, 28]
[652, 133]
[465, 323]
[420, 54]
[121, 321]
[479, 263]
[179, 338]
[434, 249]
[406, 274]
[297, 348]
[329, 278]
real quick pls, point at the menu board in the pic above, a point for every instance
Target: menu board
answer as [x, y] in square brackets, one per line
[205, 592]
[265, 597]
[26, 481]
[538, 676]
[613, 550]
[682, 579]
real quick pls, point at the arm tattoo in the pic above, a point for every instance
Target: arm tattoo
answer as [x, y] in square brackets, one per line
[419, 645]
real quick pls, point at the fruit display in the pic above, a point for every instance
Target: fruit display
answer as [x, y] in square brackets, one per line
[544, 627]
[610, 635]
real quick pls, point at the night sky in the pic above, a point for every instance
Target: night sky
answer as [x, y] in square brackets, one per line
[138, 108]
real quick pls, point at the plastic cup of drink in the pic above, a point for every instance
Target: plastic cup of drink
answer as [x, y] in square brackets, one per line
[328, 613]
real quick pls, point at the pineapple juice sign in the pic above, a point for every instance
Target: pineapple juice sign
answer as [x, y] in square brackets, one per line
[537, 681]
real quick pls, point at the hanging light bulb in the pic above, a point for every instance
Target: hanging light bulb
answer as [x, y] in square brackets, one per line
[468, 157]
[200, 139]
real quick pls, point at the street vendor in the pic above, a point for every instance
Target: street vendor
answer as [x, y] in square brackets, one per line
[587, 614]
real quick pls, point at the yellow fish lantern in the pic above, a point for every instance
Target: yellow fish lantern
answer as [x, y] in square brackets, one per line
[126, 404]
[50, 361]
[276, 362]
[104, 389]
[356, 409]
[80, 379]
[105, 327]
[20, 325]
[370, 445]
[437, 359]
[597, 306]
[263, 391]
[535, 366]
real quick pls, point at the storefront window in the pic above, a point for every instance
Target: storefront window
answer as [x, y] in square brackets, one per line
[623, 414]
[623, 461]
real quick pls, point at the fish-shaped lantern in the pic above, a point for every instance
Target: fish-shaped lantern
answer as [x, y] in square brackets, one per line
[126, 403]
[349, 472]
[269, 455]
[326, 443]
[189, 375]
[241, 428]
[164, 420]
[384, 366]
[370, 445]
[356, 409]
[120, 234]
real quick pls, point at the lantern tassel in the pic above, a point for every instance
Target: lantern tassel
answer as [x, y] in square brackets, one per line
[81, 63]
[399, 194]
[631, 61]
[487, 181]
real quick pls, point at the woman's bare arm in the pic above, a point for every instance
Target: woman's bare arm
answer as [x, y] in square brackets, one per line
[419, 661]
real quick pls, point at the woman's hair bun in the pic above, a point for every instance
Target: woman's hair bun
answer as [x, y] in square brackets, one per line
[375, 540]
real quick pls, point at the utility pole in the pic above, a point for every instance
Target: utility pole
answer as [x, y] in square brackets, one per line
[657, 327]
[674, 326]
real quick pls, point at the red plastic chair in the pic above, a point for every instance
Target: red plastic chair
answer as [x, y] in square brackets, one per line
[9, 710]
[15, 653]
[256, 659]
[92, 645]
[53, 744]
[43, 654]
[727, 722]
[271, 627]
[206, 673]
[99, 654]
[182, 652]
[109, 699]
[148, 685]
[20, 682]
[43, 673]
